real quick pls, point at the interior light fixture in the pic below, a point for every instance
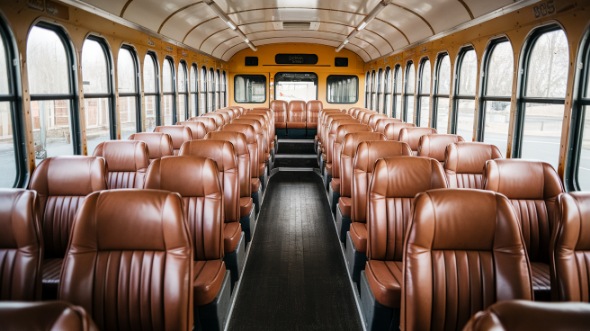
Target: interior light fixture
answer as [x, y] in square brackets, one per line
[222, 15]
[371, 16]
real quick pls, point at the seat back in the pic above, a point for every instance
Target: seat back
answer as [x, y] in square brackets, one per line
[262, 133]
[381, 123]
[532, 187]
[159, 144]
[178, 133]
[227, 117]
[341, 133]
[392, 130]
[209, 122]
[240, 144]
[325, 126]
[412, 135]
[279, 109]
[296, 112]
[62, 184]
[219, 119]
[198, 129]
[465, 162]
[349, 147]
[374, 119]
[435, 145]
[222, 152]
[21, 250]
[48, 315]
[363, 164]
[253, 144]
[570, 248]
[130, 260]
[366, 117]
[127, 161]
[463, 252]
[395, 183]
[313, 109]
[331, 136]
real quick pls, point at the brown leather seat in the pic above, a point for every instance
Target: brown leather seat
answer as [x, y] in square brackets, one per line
[394, 184]
[412, 136]
[21, 250]
[178, 133]
[382, 123]
[325, 129]
[261, 130]
[341, 133]
[374, 119]
[47, 315]
[392, 130]
[363, 164]
[198, 129]
[522, 315]
[570, 249]
[329, 147]
[435, 145]
[227, 117]
[449, 275]
[159, 144]
[296, 118]
[366, 117]
[62, 184]
[313, 109]
[532, 187]
[127, 162]
[321, 125]
[269, 120]
[465, 162]
[349, 147]
[130, 253]
[219, 119]
[209, 122]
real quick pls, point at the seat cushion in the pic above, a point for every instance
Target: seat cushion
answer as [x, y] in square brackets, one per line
[255, 185]
[208, 280]
[345, 205]
[231, 236]
[541, 281]
[245, 206]
[358, 235]
[296, 125]
[385, 279]
[335, 185]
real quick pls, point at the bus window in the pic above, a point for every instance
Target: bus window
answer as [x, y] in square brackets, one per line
[250, 88]
[182, 92]
[410, 82]
[194, 84]
[580, 179]
[498, 67]
[464, 107]
[203, 91]
[150, 92]
[210, 92]
[168, 92]
[296, 86]
[217, 91]
[442, 89]
[397, 93]
[545, 82]
[49, 65]
[379, 104]
[223, 89]
[128, 91]
[424, 93]
[388, 84]
[96, 74]
[342, 89]
[374, 78]
[367, 89]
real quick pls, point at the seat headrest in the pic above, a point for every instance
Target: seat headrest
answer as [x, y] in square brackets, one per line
[198, 129]
[345, 129]
[278, 105]
[158, 143]
[129, 219]
[69, 176]
[190, 176]
[18, 218]
[246, 129]
[381, 123]
[178, 133]
[352, 140]
[392, 130]
[470, 157]
[406, 176]
[296, 105]
[220, 151]
[48, 315]
[522, 179]
[237, 139]
[249, 121]
[411, 135]
[218, 118]
[435, 145]
[315, 105]
[336, 123]
[575, 220]
[209, 122]
[368, 152]
[124, 155]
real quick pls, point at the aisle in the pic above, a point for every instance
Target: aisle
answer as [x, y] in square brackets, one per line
[295, 277]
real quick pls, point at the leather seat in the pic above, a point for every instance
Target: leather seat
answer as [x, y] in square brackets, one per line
[329, 147]
[412, 136]
[178, 133]
[450, 275]
[367, 116]
[198, 129]
[218, 118]
[325, 128]
[313, 109]
[349, 147]
[296, 118]
[382, 123]
[209, 122]
[363, 164]
[261, 130]
[374, 119]
[47, 315]
[321, 124]
[435, 145]
[127, 161]
[532, 187]
[159, 144]
[227, 117]
[465, 162]
[130, 253]
[279, 109]
[62, 184]
[21, 250]
[392, 130]
[269, 121]
[570, 249]
[522, 315]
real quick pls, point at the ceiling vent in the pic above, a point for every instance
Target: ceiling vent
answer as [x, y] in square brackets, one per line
[296, 25]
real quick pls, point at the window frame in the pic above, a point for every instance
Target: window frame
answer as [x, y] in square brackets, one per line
[137, 94]
[436, 87]
[406, 96]
[457, 97]
[397, 82]
[379, 105]
[156, 93]
[185, 95]
[367, 88]
[173, 86]
[203, 90]
[343, 87]
[420, 95]
[194, 92]
[251, 75]
[387, 91]
[317, 81]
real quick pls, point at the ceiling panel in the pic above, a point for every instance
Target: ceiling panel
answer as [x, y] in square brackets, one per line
[113, 6]
[479, 8]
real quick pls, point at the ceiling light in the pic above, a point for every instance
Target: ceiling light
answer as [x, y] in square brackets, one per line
[362, 26]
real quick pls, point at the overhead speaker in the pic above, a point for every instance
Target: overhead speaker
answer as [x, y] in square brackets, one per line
[341, 62]
[251, 61]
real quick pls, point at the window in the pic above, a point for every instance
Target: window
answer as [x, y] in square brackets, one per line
[151, 92]
[128, 91]
[53, 100]
[442, 88]
[250, 88]
[296, 86]
[98, 97]
[224, 89]
[367, 89]
[203, 91]
[342, 89]
[194, 90]
[182, 92]
[168, 92]
[379, 105]
[388, 84]
[13, 160]
[498, 65]
[210, 92]
[545, 66]
[397, 93]
[373, 105]
[424, 94]
[464, 106]
[217, 92]
[410, 81]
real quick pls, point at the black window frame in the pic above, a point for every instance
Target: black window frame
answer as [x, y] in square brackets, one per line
[251, 75]
[342, 79]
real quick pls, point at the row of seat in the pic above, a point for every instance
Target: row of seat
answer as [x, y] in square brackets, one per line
[296, 118]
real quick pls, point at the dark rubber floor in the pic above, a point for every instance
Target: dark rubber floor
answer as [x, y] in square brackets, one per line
[295, 148]
[295, 163]
[295, 277]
